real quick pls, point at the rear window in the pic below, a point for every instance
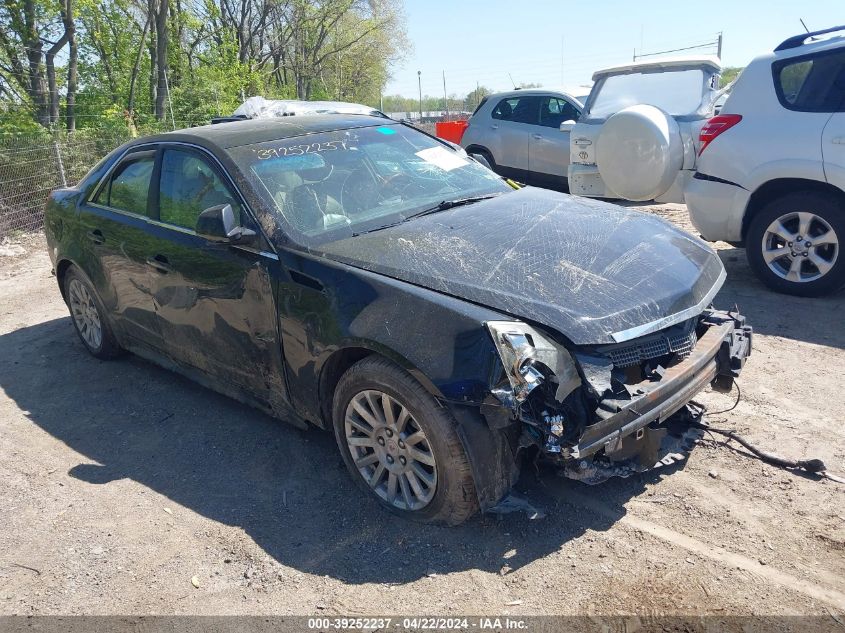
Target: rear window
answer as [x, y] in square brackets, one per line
[812, 84]
[677, 93]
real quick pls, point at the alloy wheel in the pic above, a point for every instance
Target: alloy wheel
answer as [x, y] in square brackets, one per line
[390, 450]
[800, 247]
[85, 314]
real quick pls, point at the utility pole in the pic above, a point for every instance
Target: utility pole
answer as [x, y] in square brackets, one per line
[445, 98]
[419, 81]
[719, 46]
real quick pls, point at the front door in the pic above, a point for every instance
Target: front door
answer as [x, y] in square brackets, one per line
[215, 302]
[548, 152]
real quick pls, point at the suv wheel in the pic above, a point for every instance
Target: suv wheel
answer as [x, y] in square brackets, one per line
[400, 445]
[794, 244]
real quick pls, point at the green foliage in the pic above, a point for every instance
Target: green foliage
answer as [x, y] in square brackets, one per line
[216, 56]
[729, 74]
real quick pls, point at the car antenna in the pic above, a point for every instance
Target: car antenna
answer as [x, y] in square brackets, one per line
[801, 20]
[512, 81]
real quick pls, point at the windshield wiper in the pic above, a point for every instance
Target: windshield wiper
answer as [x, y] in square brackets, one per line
[443, 205]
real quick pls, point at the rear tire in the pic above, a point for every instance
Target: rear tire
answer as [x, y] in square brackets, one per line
[794, 244]
[408, 453]
[89, 316]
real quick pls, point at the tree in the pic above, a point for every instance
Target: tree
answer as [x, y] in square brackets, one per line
[729, 74]
[475, 97]
[313, 40]
[24, 54]
[129, 62]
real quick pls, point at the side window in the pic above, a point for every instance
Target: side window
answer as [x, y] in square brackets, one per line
[554, 111]
[189, 185]
[518, 110]
[527, 111]
[128, 188]
[814, 84]
[504, 109]
[569, 112]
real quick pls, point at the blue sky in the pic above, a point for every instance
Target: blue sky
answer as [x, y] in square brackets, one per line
[483, 41]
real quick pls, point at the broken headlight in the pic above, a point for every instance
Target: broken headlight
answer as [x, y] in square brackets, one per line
[530, 359]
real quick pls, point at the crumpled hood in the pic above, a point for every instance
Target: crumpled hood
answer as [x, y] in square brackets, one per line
[585, 268]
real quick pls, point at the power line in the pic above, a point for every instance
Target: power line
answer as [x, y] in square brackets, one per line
[717, 43]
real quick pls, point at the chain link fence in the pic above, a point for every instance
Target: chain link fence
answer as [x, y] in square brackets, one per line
[31, 166]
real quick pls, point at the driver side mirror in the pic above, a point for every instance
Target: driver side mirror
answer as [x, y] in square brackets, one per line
[567, 126]
[217, 224]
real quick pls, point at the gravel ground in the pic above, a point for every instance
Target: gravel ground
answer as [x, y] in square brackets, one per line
[122, 482]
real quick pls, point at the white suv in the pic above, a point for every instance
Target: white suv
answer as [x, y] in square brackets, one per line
[770, 170]
[636, 138]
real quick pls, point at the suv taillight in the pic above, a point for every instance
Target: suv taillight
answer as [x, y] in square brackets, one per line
[716, 126]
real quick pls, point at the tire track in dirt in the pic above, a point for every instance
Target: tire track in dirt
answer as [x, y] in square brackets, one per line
[713, 552]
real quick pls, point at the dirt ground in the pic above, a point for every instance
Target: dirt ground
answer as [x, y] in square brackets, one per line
[120, 482]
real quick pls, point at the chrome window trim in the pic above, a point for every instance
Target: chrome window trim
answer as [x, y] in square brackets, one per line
[672, 319]
[156, 145]
[95, 191]
[180, 229]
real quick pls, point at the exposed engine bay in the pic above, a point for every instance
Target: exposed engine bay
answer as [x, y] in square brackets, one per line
[600, 411]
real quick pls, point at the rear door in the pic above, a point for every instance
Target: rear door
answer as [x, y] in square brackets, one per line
[215, 301]
[833, 148]
[114, 245]
[512, 120]
[811, 88]
[548, 152]
[833, 136]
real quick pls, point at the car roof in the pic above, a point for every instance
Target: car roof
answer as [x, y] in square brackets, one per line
[236, 133]
[688, 61]
[530, 91]
[812, 46]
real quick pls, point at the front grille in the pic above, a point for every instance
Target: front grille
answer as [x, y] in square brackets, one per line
[680, 339]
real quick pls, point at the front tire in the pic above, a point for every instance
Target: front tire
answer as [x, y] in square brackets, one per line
[400, 445]
[89, 316]
[794, 244]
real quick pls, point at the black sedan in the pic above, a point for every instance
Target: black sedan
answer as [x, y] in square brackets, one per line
[356, 274]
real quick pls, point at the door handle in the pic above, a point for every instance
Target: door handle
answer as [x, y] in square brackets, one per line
[494, 127]
[839, 140]
[160, 263]
[96, 236]
[537, 136]
[306, 280]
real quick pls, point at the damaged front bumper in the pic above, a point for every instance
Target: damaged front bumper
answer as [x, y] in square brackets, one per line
[625, 411]
[716, 359]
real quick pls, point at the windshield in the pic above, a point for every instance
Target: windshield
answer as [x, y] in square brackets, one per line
[324, 187]
[677, 92]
